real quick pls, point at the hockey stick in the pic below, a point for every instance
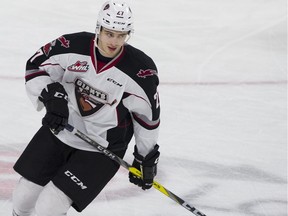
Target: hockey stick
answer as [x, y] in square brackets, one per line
[133, 170]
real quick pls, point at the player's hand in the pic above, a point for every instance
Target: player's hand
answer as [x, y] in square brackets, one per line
[55, 100]
[147, 166]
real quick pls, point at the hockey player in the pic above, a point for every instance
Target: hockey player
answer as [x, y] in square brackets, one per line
[106, 89]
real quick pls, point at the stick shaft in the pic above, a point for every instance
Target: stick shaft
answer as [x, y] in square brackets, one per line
[133, 170]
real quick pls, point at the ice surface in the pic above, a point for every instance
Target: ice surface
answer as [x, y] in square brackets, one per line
[223, 71]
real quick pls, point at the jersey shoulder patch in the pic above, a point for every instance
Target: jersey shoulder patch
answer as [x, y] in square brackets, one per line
[70, 43]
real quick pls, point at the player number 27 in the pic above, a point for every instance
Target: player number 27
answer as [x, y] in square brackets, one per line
[156, 98]
[38, 53]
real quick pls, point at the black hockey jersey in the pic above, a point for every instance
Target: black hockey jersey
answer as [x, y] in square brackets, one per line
[110, 104]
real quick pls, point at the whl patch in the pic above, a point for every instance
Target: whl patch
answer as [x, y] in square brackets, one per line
[79, 67]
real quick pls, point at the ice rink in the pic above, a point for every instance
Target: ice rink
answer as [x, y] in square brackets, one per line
[223, 92]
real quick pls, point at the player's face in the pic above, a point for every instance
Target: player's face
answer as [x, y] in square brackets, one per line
[110, 42]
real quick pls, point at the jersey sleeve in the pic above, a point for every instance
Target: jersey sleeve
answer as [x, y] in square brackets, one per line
[44, 67]
[144, 105]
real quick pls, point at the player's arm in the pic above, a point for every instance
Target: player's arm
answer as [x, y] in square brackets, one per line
[145, 109]
[43, 68]
[44, 72]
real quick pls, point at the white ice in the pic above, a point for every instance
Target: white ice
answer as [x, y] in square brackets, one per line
[223, 71]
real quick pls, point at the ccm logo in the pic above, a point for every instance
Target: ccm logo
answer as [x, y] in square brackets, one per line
[61, 95]
[75, 179]
[114, 82]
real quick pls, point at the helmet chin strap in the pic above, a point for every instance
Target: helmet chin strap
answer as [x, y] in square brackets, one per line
[97, 32]
[128, 37]
[96, 45]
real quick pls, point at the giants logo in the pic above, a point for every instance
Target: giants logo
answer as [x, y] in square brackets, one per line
[146, 73]
[89, 99]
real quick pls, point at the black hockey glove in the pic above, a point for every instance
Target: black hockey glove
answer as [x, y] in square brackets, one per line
[148, 167]
[55, 100]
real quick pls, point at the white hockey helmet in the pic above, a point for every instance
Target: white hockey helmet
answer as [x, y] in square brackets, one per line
[115, 16]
